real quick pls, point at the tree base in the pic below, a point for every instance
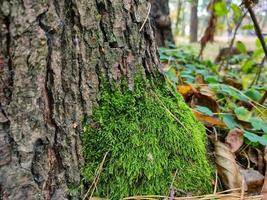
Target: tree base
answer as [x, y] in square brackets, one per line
[147, 134]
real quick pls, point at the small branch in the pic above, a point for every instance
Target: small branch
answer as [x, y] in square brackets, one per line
[149, 8]
[216, 182]
[233, 40]
[258, 73]
[264, 97]
[257, 29]
[94, 183]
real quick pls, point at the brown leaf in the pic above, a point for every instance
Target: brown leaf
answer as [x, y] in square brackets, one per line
[264, 187]
[210, 29]
[185, 89]
[206, 101]
[232, 82]
[253, 178]
[199, 79]
[234, 139]
[227, 168]
[245, 104]
[256, 157]
[209, 121]
[205, 90]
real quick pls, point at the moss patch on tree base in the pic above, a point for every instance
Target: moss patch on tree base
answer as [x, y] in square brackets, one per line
[149, 134]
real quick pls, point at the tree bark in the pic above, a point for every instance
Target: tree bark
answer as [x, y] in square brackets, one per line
[162, 22]
[194, 21]
[52, 54]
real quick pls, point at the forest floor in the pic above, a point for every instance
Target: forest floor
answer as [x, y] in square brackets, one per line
[212, 49]
[231, 102]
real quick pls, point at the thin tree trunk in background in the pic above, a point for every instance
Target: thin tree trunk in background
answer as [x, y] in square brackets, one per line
[264, 21]
[194, 21]
[162, 22]
[183, 21]
[52, 54]
[178, 17]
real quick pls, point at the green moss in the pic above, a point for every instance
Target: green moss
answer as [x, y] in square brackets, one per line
[146, 144]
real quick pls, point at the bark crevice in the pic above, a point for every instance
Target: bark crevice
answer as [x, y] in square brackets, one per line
[54, 159]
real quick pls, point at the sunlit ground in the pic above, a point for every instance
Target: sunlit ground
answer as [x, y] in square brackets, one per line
[212, 49]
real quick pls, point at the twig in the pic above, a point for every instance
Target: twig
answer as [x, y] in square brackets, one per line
[216, 182]
[258, 73]
[173, 179]
[94, 183]
[218, 195]
[171, 194]
[263, 98]
[149, 8]
[257, 29]
[170, 112]
[216, 134]
[233, 40]
[242, 190]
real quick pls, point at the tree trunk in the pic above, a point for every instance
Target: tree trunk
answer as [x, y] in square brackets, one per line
[194, 21]
[52, 53]
[53, 57]
[178, 16]
[162, 21]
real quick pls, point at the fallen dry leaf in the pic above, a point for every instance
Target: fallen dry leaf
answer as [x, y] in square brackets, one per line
[232, 82]
[209, 121]
[205, 101]
[253, 178]
[264, 187]
[227, 168]
[234, 139]
[199, 79]
[256, 157]
[205, 90]
[185, 89]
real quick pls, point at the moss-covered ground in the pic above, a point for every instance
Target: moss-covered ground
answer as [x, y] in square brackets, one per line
[149, 133]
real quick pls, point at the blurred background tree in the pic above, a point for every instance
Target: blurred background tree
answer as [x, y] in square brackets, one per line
[162, 23]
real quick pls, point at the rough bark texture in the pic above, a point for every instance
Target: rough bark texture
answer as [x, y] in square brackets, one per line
[162, 21]
[194, 21]
[51, 56]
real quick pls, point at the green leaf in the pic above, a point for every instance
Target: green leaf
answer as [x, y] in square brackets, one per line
[171, 74]
[237, 12]
[188, 78]
[229, 121]
[243, 114]
[211, 79]
[258, 43]
[258, 124]
[248, 27]
[228, 90]
[261, 87]
[241, 47]
[221, 9]
[204, 110]
[251, 136]
[253, 94]
[203, 72]
[255, 138]
[263, 140]
[163, 57]
[258, 53]
[247, 65]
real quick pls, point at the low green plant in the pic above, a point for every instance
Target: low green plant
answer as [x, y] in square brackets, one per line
[148, 134]
[184, 67]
